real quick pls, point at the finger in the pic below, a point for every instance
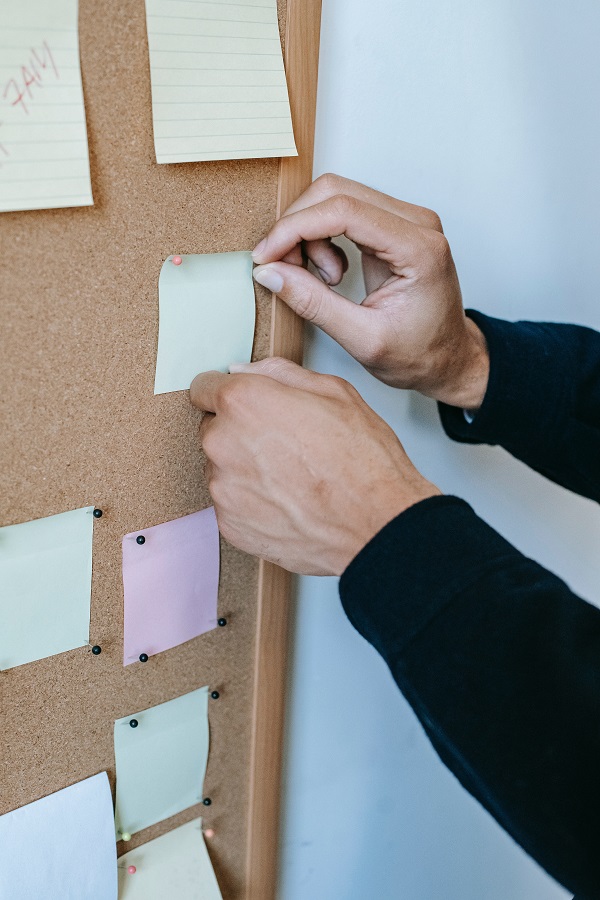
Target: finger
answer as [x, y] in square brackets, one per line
[207, 419]
[329, 260]
[327, 186]
[289, 374]
[206, 389]
[388, 235]
[345, 321]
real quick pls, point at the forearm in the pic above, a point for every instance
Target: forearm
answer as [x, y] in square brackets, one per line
[542, 402]
[500, 663]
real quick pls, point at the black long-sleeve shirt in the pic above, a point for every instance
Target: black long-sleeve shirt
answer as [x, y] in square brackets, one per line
[498, 658]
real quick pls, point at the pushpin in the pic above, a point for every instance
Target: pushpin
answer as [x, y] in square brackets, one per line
[143, 657]
[133, 723]
[125, 836]
[97, 513]
[215, 695]
[209, 833]
[96, 650]
[132, 870]
[207, 801]
[222, 622]
[140, 539]
[177, 260]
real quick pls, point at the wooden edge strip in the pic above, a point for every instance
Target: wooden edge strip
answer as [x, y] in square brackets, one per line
[303, 27]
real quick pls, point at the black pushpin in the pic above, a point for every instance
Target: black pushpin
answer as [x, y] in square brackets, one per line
[215, 695]
[96, 650]
[222, 622]
[143, 657]
[207, 801]
[97, 513]
[134, 723]
[140, 539]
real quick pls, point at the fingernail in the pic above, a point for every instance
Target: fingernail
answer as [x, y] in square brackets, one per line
[269, 278]
[259, 248]
[324, 275]
[234, 368]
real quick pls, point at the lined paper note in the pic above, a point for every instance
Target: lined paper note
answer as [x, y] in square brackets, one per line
[43, 139]
[218, 82]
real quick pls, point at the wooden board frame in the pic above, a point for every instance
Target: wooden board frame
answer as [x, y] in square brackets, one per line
[274, 586]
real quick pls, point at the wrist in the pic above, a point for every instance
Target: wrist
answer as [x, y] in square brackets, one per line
[468, 371]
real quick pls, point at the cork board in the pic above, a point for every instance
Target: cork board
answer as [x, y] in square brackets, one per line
[79, 424]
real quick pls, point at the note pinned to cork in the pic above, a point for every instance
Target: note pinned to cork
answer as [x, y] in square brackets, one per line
[44, 161]
[219, 89]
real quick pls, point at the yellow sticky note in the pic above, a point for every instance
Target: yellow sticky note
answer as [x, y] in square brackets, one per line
[43, 139]
[218, 82]
[206, 317]
[175, 865]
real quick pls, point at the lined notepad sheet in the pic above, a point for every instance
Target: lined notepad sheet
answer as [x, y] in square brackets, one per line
[218, 82]
[43, 139]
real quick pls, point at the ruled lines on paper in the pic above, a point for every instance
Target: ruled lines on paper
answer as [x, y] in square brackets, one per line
[44, 160]
[218, 82]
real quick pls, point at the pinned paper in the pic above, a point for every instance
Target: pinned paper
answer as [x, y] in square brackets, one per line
[45, 586]
[218, 82]
[176, 864]
[160, 761]
[62, 846]
[207, 315]
[43, 138]
[171, 583]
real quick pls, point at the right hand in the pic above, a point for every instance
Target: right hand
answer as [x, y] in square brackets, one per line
[410, 331]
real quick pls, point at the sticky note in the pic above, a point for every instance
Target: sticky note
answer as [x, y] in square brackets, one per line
[176, 864]
[161, 761]
[218, 83]
[45, 586]
[206, 317]
[62, 846]
[171, 583]
[43, 137]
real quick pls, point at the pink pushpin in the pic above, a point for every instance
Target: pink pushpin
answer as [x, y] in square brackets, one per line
[209, 833]
[132, 870]
[177, 260]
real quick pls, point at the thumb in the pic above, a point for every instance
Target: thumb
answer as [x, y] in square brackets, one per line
[287, 373]
[312, 300]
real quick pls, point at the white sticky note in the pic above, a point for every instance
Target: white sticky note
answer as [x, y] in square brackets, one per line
[43, 138]
[175, 865]
[218, 82]
[62, 846]
[161, 761]
[45, 586]
[206, 317]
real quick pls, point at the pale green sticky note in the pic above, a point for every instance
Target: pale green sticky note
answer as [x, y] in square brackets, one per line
[206, 317]
[161, 761]
[43, 137]
[176, 864]
[45, 586]
[219, 89]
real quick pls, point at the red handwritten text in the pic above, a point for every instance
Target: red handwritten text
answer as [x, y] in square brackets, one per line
[19, 89]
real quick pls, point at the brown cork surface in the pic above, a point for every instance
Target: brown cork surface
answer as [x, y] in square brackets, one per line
[79, 425]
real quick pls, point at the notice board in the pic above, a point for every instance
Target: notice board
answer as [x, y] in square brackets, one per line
[80, 425]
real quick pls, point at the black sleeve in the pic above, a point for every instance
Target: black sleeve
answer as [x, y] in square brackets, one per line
[542, 403]
[501, 663]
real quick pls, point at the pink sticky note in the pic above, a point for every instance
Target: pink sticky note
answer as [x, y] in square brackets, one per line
[171, 582]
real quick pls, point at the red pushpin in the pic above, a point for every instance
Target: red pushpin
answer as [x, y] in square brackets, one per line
[132, 870]
[177, 260]
[209, 833]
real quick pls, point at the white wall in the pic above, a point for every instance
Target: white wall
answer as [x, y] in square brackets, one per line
[489, 113]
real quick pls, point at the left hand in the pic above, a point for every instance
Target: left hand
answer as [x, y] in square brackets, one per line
[301, 471]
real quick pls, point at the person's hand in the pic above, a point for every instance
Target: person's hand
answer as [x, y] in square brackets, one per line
[411, 330]
[301, 471]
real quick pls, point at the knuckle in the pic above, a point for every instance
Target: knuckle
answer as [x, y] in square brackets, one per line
[210, 444]
[308, 305]
[233, 395]
[328, 184]
[439, 251]
[431, 220]
[343, 206]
